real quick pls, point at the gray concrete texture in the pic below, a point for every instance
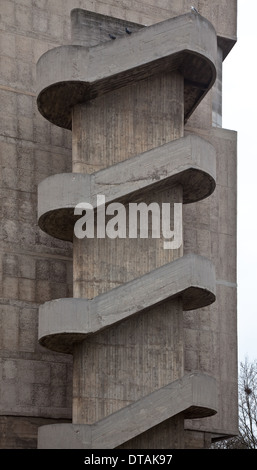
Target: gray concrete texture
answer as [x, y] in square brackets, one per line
[185, 43]
[36, 383]
[194, 395]
[63, 322]
[193, 166]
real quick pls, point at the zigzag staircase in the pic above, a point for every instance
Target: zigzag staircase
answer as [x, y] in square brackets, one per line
[72, 76]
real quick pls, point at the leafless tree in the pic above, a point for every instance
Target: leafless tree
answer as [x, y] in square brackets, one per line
[248, 403]
[247, 398]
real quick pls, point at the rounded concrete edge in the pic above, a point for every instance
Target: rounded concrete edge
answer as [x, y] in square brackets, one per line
[64, 322]
[73, 74]
[194, 394]
[59, 194]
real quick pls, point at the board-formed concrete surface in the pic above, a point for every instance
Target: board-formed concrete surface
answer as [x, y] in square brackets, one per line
[193, 165]
[73, 74]
[186, 47]
[194, 394]
[63, 322]
[36, 383]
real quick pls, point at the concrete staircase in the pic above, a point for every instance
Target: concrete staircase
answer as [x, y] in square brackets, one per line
[95, 65]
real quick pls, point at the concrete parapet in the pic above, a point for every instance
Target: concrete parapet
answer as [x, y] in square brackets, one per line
[73, 74]
[63, 322]
[193, 394]
[189, 161]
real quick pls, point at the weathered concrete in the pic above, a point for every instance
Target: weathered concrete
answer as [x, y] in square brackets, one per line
[84, 117]
[119, 134]
[190, 162]
[149, 94]
[90, 29]
[18, 432]
[69, 75]
[211, 334]
[34, 268]
[194, 394]
[64, 322]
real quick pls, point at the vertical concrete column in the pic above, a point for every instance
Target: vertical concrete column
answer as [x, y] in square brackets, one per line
[130, 360]
[110, 129]
[121, 119]
[217, 92]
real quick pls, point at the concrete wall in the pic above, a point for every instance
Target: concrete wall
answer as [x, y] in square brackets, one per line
[211, 334]
[35, 383]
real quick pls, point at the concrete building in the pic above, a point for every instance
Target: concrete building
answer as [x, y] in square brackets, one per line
[116, 342]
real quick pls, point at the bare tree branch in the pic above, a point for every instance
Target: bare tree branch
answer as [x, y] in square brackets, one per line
[247, 407]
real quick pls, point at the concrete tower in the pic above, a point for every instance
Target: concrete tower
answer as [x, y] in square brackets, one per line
[137, 341]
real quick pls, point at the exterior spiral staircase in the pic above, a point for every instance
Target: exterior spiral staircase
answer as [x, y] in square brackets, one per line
[106, 57]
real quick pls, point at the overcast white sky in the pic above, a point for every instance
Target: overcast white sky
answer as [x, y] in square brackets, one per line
[239, 113]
